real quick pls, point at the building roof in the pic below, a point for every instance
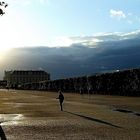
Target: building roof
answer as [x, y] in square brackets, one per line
[29, 72]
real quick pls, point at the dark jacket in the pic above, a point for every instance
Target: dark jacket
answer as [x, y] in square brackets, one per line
[61, 97]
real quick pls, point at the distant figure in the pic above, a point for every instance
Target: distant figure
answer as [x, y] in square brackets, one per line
[61, 99]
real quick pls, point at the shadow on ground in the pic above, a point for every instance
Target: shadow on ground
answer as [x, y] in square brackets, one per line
[93, 119]
[2, 134]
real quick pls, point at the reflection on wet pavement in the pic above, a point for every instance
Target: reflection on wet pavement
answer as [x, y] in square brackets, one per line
[7, 119]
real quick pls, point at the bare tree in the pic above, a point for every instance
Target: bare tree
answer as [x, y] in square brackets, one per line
[3, 5]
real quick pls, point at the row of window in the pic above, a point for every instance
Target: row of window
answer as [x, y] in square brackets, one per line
[27, 79]
[29, 73]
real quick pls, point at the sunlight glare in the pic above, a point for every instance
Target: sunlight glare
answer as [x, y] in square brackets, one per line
[8, 35]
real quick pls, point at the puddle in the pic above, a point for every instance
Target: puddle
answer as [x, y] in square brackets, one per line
[124, 110]
[18, 104]
[127, 111]
[137, 114]
[10, 118]
[14, 104]
[5, 99]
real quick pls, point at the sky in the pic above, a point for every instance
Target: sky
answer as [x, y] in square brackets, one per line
[70, 37]
[55, 22]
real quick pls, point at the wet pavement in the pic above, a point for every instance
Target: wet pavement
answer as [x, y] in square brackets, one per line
[30, 115]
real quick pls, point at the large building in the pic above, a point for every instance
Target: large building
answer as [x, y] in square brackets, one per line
[16, 78]
[3, 83]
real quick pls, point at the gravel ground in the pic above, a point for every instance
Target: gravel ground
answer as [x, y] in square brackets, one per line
[35, 115]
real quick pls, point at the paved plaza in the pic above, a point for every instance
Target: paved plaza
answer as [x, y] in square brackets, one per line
[36, 115]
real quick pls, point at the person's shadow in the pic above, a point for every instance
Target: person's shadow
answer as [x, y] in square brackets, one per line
[2, 134]
[93, 119]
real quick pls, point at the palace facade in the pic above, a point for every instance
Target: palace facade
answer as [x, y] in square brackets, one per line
[16, 78]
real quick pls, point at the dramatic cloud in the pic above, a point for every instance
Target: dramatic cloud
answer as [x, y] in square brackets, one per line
[117, 14]
[130, 18]
[104, 38]
[112, 51]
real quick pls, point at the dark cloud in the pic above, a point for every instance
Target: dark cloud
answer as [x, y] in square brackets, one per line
[78, 59]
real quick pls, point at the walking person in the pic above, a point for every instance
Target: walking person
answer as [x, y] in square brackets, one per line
[61, 99]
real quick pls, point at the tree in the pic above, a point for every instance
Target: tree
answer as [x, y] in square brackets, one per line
[3, 5]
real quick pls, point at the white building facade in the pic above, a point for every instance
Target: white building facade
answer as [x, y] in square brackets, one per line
[16, 78]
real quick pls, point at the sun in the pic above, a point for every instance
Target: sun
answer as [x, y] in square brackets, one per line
[8, 32]
[8, 36]
[5, 42]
